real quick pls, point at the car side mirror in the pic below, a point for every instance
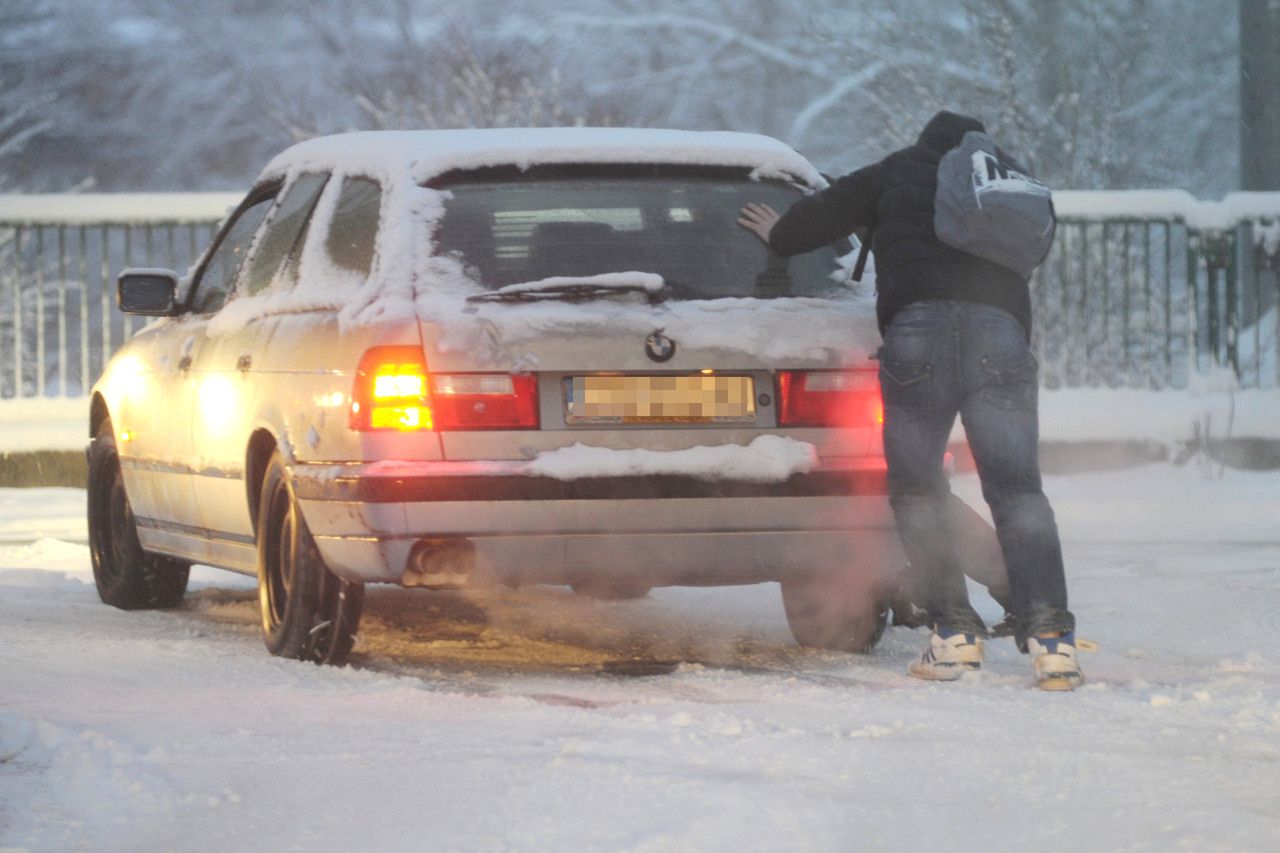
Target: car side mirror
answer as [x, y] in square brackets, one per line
[149, 292]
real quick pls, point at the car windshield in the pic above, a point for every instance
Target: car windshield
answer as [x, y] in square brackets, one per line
[511, 227]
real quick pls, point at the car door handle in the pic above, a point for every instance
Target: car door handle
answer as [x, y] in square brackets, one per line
[184, 363]
[243, 363]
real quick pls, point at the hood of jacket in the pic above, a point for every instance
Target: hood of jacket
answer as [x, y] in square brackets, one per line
[946, 130]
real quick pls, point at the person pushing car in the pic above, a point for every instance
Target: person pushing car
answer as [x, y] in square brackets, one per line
[956, 329]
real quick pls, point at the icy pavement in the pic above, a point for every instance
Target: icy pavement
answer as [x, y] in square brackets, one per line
[508, 720]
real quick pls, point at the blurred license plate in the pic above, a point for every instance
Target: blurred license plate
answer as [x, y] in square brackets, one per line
[694, 399]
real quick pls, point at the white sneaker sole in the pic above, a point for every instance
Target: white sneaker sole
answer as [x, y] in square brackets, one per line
[935, 672]
[965, 659]
[1057, 673]
[1060, 683]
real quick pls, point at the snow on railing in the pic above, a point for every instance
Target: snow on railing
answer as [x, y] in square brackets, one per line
[1143, 289]
[1172, 205]
[26, 210]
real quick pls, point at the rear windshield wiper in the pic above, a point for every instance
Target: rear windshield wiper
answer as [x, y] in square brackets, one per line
[579, 288]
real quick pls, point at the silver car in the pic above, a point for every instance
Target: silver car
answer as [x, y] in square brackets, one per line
[441, 358]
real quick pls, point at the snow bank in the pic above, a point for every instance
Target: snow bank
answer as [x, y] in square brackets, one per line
[48, 514]
[17, 736]
[44, 423]
[1124, 414]
[1161, 502]
[1173, 418]
[85, 767]
[767, 459]
[61, 562]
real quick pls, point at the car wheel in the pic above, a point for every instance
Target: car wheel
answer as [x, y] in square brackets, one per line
[126, 576]
[611, 590]
[308, 613]
[831, 611]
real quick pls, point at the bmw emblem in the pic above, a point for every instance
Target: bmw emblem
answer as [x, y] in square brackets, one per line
[659, 347]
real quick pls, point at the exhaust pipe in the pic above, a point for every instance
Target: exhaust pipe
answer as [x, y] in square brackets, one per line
[440, 564]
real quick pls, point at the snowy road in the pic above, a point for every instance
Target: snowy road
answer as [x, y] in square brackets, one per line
[516, 720]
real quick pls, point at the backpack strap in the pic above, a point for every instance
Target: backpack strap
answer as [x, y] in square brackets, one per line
[862, 254]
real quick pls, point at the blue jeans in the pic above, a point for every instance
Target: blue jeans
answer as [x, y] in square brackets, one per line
[948, 357]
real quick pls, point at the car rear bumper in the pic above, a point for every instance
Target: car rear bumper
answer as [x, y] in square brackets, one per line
[367, 518]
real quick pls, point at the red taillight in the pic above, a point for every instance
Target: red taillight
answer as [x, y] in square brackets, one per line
[845, 398]
[485, 401]
[394, 391]
[390, 391]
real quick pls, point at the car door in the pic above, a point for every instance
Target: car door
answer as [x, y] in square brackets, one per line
[147, 409]
[162, 488]
[230, 385]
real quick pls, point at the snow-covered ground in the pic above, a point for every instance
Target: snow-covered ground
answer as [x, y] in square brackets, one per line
[518, 720]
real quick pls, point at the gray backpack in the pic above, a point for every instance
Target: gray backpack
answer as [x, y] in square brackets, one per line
[986, 208]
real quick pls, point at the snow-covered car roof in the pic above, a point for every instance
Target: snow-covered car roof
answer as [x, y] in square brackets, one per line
[412, 281]
[425, 154]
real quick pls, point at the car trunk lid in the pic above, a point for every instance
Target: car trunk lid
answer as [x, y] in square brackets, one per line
[666, 378]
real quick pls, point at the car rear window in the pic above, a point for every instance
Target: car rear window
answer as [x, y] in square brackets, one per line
[511, 227]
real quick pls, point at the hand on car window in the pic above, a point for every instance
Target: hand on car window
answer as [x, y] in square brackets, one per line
[759, 219]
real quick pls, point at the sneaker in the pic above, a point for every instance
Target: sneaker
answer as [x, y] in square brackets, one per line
[950, 655]
[1054, 659]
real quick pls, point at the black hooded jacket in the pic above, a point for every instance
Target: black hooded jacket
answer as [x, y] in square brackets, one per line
[896, 197]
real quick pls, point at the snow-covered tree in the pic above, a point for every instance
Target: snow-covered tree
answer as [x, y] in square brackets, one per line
[451, 71]
[1088, 92]
[26, 96]
[187, 94]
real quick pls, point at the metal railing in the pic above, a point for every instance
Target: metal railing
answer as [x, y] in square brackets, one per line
[1148, 289]
[59, 256]
[1142, 289]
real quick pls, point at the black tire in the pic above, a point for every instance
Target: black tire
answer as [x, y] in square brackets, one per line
[308, 613]
[835, 612]
[611, 590]
[126, 576]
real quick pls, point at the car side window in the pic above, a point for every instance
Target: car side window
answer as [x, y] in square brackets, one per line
[286, 228]
[354, 228]
[219, 273]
